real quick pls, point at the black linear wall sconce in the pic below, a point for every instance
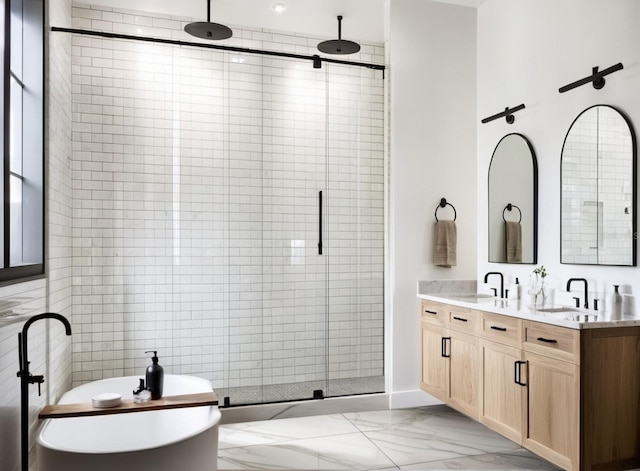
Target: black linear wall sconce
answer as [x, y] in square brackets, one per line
[596, 78]
[507, 113]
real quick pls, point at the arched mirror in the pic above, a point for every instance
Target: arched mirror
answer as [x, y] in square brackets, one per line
[513, 201]
[598, 192]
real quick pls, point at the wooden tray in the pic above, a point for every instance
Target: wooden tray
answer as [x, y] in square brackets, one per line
[86, 409]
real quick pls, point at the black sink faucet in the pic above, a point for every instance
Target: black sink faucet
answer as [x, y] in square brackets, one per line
[586, 289]
[486, 277]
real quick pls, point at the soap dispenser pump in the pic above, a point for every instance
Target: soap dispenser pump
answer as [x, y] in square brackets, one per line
[155, 376]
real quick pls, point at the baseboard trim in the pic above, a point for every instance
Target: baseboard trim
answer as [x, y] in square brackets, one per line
[412, 398]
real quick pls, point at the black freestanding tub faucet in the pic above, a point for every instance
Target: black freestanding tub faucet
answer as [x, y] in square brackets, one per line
[26, 378]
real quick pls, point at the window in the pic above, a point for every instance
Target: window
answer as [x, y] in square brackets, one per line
[23, 124]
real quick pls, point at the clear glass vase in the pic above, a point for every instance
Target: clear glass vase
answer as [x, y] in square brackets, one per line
[536, 291]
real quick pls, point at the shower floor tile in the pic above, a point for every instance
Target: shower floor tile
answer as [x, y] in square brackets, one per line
[434, 437]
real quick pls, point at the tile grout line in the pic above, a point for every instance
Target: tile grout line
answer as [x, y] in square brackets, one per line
[361, 432]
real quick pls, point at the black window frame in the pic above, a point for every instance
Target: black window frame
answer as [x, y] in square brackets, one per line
[33, 165]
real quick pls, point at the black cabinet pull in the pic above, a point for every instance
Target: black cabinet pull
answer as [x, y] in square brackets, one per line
[459, 319]
[542, 339]
[443, 347]
[320, 223]
[427, 311]
[517, 373]
[501, 329]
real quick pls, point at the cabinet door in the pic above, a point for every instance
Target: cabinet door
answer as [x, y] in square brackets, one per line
[465, 366]
[504, 390]
[435, 367]
[553, 410]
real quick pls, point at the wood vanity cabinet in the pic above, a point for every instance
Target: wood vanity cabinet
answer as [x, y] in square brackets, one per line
[552, 356]
[435, 367]
[504, 390]
[451, 368]
[571, 396]
[465, 365]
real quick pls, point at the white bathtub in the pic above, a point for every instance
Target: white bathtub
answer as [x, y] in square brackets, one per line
[171, 439]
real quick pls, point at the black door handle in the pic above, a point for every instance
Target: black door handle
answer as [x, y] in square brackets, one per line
[517, 373]
[460, 319]
[501, 329]
[542, 339]
[320, 223]
[443, 347]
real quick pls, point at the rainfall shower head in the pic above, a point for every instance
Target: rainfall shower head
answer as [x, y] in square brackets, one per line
[339, 46]
[208, 30]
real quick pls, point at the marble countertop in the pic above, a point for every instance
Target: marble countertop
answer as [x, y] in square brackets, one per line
[564, 316]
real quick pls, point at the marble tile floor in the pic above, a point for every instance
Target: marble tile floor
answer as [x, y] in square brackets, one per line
[428, 438]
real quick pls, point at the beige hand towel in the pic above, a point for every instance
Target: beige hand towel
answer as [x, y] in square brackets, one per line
[513, 241]
[446, 239]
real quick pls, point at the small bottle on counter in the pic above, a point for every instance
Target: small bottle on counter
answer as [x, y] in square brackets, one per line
[616, 303]
[141, 394]
[518, 288]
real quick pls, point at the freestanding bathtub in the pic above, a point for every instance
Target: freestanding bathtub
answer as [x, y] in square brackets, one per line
[161, 440]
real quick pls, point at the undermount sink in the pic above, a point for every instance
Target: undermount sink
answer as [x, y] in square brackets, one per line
[473, 295]
[568, 314]
[553, 310]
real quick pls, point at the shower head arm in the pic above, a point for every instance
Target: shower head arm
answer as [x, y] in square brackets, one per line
[208, 11]
[339, 27]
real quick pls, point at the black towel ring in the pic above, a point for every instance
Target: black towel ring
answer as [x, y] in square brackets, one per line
[443, 203]
[509, 207]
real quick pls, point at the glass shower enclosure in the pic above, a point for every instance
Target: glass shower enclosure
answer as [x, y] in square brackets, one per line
[244, 221]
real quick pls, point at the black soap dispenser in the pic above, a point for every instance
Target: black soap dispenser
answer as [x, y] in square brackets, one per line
[155, 376]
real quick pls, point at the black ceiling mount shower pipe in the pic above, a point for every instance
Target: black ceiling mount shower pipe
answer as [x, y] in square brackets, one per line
[596, 78]
[207, 29]
[315, 58]
[507, 113]
[26, 378]
[339, 46]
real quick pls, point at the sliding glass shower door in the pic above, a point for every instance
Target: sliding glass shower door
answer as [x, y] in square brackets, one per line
[309, 288]
[277, 337]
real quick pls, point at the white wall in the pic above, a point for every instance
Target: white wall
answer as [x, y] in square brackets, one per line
[527, 50]
[433, 155]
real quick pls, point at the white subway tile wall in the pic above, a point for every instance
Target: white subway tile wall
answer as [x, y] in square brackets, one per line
[196, 180]
[59, 254]
[31, 299]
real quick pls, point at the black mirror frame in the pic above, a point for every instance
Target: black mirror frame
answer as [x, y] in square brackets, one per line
[634, 186]
[535, 200]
